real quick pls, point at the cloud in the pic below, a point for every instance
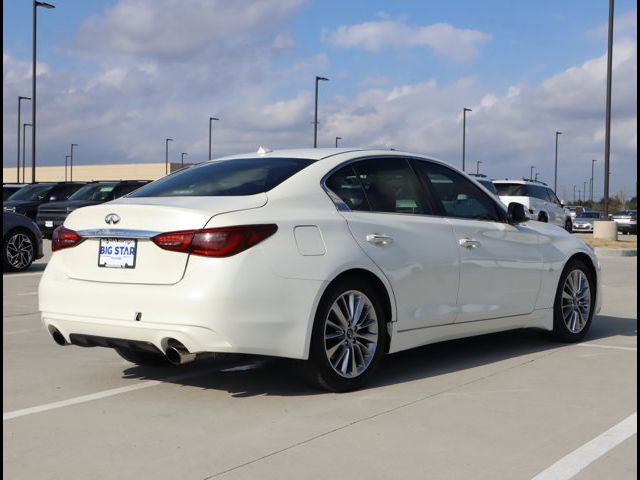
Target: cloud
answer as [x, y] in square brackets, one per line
[456, 44]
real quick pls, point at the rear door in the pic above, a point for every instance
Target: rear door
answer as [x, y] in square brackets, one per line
[501, 264]
[391, 219]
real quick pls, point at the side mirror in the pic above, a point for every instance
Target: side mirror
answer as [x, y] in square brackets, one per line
[517, 213]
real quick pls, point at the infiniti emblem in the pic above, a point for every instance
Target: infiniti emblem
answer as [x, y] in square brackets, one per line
[112, 218]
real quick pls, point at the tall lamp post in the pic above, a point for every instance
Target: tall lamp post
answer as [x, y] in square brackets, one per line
[166, 155]
[593, 161]
[584, 190]
[338, 138]
[464, 134]
[66, 160]
[71, 162]
[607, 133]
[574, 194]
[182, 158]
[24, 159]
[555, 176]
[315, 118]
[211, 119]
[531, 174]
[478, 162]
[20, 98]
[33, 87]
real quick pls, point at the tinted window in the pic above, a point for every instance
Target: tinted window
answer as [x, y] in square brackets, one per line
[346, 185]
[246, 176]
[121, 190]
[511, 189]
[97, 192]
[590, 215]
[488, 184]
[62, 192]
[537, 191]
[390, 185]
[552, 196]
[459, 197]
[32, 192]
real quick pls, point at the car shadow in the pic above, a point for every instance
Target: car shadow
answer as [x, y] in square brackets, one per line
[248, 376]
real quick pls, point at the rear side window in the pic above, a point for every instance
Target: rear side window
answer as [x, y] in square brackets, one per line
[225, 178]
[346, 185]
[458, 196]
[511, 189]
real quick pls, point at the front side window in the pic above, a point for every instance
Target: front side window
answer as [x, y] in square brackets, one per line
[225, 178]
[458, 196]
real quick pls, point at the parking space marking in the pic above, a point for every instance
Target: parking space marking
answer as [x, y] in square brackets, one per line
[614, 347]
[20, 294]
[99, 395]
[31, 274]
[576, 461]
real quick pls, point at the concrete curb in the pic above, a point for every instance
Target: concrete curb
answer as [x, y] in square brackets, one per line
[616, 252]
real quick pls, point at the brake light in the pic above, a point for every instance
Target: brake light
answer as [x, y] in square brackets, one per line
[64, 238]
[215, 242]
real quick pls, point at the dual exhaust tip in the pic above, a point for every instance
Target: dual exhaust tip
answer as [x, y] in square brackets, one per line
[176, 352]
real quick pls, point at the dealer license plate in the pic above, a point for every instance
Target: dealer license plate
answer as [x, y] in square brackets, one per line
[48, 223]
[117, 253]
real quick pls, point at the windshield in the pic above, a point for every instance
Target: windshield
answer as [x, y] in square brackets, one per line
[97, 192]
[625, 213]
[32, 192]
[246, 176]
[488, 184]
[511, 189]
[590, 215]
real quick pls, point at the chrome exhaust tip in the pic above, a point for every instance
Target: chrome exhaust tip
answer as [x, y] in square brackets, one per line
[58, 337]
[177, 354]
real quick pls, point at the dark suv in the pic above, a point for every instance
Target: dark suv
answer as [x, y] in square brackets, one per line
[27, 200]
[53, 214]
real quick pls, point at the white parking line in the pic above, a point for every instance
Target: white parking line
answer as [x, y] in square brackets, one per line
[570, 465]
[99, 395]
[614, 347]
[20, 294]
[32, 274]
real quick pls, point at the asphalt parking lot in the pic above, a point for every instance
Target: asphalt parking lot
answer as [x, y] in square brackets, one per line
[506, 406]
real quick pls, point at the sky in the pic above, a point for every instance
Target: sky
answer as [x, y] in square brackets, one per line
[117, 77]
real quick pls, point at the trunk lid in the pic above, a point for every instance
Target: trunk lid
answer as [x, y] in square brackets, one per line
[140, 219]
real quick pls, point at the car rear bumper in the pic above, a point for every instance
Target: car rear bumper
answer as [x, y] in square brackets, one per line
[254, 313]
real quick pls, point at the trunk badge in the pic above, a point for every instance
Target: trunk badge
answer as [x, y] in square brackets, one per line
[112, 218]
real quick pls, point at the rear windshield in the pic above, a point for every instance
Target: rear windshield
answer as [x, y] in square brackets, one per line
[225, 178]
[511, 189]
[96, 192]
[32, 192]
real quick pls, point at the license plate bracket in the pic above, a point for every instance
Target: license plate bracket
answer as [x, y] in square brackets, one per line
[117, 253]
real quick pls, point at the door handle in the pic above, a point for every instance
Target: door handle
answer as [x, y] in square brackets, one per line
[469, 243]
[377, 239]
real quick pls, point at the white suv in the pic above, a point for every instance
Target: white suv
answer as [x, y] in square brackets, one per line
[540, 201]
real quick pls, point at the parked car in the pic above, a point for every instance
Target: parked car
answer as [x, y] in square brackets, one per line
[9, 189]
[584, 222]
[538, 199]
[21, 242]
[485, 182]
[575, 211]
[27, 200]
[52, 214]
[627, 221]
[329, 256]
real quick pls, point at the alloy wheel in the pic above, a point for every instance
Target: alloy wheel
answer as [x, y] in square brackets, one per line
[351, 334]
[576, 301]
[19, 251]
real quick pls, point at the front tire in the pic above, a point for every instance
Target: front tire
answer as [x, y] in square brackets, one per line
[18, 251]
[348, 339]
[574, 303]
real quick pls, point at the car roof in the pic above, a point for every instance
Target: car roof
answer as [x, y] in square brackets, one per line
[522, 182]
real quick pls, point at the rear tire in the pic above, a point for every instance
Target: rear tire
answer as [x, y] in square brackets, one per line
[148, 359]
[574, 304]
[348, 338]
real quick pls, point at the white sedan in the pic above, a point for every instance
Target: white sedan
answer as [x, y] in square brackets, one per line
[333, 257]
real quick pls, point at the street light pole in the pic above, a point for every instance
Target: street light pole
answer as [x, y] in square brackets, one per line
[20, 98]
[210, 120]
[555, 177]
[182, 158]
[478, 162]
[574, 194]
[33, 87]
[24, 159]
[531, 174]
[66, 159]
[607, 133]
[315, 118]
[584, 190]
[71, 162]
[593, 161]
[464, 134]
[338, 138]
[166, 155]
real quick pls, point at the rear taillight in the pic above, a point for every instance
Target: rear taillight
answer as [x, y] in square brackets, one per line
[215, 242]
[64, 238]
